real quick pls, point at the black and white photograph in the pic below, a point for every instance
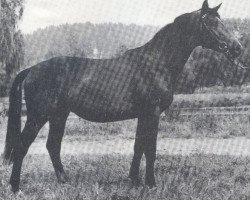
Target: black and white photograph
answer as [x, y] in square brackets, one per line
[125, 99]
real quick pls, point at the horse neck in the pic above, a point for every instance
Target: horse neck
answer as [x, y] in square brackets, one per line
[172, 48]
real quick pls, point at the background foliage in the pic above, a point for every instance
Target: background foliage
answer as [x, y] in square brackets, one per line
[11, 42]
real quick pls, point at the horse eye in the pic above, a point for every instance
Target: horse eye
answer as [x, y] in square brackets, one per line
[223, 45]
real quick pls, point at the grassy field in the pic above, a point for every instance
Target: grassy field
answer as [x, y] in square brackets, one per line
[194, 127]
[194, 177]
[200, 100]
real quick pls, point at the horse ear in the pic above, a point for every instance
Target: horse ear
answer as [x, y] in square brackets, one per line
[205, 7]
[217, 7]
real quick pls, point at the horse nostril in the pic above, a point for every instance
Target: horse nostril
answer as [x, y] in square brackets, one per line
[223, 46]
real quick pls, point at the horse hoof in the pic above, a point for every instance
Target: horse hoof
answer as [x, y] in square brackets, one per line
[14, 187]
[15, 190]
[62, 178]
[151, 184]
[152, 189]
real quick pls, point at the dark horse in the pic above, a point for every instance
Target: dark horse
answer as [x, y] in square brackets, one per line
[138, 84]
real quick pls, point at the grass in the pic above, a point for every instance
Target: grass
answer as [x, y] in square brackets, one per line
[200, 100]
[193, 177]
[194, 127]
[105, 177]
[206, 126]
[245, 88]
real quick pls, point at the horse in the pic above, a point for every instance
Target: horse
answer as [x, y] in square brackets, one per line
[138, 84]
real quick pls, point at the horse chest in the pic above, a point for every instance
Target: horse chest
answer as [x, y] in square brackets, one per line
[156, 86]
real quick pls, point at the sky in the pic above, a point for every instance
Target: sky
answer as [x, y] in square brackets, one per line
[42, 13]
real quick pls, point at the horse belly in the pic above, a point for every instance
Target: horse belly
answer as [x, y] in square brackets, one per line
[101, 115]
[102, 108]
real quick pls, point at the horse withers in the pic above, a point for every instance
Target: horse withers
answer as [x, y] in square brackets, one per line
[138, 84]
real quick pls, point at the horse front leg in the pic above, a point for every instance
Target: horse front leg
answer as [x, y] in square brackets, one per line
[151, 131]
[145, 142]
[139, 148]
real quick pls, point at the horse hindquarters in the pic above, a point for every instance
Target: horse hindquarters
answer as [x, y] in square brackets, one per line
[17, 143]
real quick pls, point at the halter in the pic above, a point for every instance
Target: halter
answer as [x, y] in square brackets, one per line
[222, 45]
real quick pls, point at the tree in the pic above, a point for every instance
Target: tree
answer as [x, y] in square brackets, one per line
[11, 39]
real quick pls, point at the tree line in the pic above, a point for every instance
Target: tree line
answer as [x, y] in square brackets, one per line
[84, 39]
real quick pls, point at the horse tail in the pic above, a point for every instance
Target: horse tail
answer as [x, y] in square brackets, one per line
[14, 117]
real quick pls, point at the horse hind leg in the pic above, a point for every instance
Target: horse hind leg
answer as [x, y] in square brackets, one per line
[57, 126]
[28, 135]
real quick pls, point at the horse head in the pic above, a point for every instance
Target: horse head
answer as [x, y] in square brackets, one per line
[214, 34]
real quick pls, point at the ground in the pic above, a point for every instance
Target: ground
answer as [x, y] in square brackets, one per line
[196, 176]
[196, 167]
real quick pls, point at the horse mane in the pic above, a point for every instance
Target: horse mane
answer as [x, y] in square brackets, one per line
[164, 32]
[164, 35]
